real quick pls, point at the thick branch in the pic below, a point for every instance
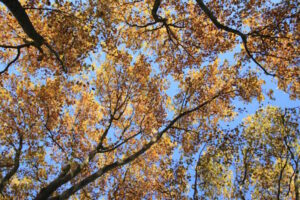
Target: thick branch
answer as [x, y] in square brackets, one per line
[67, 174]
[14, 170]
[66, 194]
[20, 14]
[156, 17]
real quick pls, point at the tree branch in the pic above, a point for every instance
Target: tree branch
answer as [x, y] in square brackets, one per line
[20, 14]
[280, 177]
[19, 47]
[12, 172]
[67, 193]
[195, 195]
[234, 31]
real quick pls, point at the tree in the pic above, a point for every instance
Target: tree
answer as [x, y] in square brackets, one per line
[86, 110]
[269, 155]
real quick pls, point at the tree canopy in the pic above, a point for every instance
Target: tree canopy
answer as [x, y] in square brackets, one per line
[126, 99]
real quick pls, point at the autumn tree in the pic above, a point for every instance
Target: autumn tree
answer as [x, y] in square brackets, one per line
[86, 109]
[268, 158]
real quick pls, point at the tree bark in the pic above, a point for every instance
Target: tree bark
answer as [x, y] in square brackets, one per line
[20, 14]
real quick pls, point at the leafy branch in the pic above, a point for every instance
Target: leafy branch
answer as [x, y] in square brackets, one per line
[21, 16]
[234, 31]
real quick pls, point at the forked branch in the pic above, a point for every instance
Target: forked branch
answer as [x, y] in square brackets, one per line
[81, 184]
[19, 47]
[20, 14]
[234, 31]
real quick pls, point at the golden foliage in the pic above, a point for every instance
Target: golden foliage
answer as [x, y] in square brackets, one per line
[123, 99]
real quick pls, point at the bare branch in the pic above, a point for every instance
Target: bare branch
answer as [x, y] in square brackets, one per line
[11, 62]
[18, 47]
[120, 144]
